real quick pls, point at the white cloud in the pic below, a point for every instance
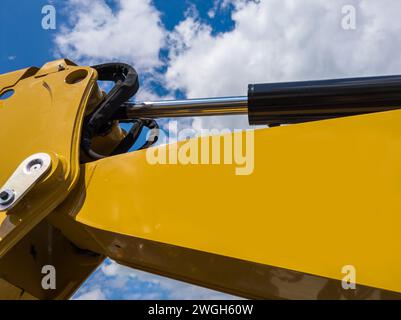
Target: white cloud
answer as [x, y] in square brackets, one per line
[284, 40]
[132, 33]
[114, 281]
[218, 5]
[95, 294]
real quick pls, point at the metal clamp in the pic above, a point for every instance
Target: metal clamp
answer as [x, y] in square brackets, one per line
[23, 179]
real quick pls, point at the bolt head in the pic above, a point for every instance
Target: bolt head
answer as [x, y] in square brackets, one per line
[33, 165]
[6, 197]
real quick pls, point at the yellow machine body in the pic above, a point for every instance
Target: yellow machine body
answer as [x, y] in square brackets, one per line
[321, 196]
[44, 114]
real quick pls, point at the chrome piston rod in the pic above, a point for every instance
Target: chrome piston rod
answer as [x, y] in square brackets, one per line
[188, 108]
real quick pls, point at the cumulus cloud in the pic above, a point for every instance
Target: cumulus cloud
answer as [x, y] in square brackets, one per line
[132, 32]
[218, 5]
[114, 281]
[276, 40]
[93, 294]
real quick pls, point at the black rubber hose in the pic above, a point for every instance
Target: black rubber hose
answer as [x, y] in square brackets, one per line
[126, 85]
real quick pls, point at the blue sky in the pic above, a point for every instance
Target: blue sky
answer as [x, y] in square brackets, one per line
[201, 48]
[26, 43]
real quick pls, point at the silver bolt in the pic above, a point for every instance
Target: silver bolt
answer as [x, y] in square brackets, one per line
[6, 197]
[60, 67]
[34, 165]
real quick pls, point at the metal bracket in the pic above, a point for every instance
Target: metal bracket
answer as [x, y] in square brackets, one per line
[23, 179]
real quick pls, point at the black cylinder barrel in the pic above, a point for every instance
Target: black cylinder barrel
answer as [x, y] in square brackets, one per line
[294, 102]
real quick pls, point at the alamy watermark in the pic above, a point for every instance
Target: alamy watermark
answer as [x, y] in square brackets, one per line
[214, 147]
[49, 278]
[49, 18]
[348, 21]
[349, 280]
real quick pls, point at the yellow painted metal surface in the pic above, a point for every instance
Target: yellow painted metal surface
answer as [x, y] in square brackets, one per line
[322, 195]
[43, 115]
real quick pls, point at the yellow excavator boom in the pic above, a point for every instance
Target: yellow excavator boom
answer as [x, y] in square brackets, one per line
[312, 201]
